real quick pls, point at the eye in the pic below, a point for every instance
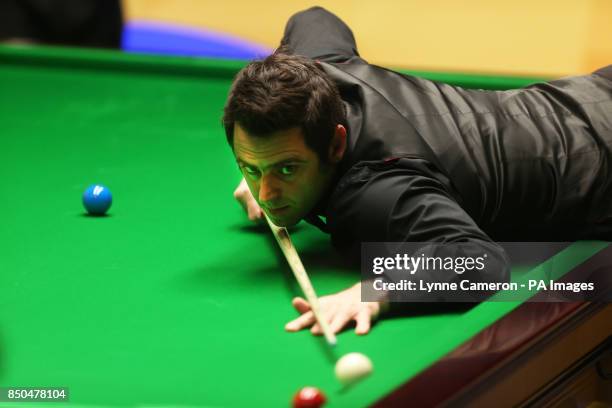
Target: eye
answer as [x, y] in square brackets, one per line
[251, 171]
[288, 170]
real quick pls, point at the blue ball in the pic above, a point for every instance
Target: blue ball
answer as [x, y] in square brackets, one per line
[97, 199]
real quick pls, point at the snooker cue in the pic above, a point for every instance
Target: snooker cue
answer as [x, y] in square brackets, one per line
[293, 259]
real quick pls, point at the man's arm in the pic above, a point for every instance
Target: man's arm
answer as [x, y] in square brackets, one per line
[405, 201]
[318, 34]
[396, 202]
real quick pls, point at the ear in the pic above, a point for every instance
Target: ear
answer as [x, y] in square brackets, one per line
[337, 146]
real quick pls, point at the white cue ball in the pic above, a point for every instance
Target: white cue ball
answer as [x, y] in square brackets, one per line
[352, 367]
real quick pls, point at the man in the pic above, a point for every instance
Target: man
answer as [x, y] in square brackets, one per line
[368, 154]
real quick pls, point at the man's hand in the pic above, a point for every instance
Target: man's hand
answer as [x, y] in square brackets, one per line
[243, 195]
[339, 309]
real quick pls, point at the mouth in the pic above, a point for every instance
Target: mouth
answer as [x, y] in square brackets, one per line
[278, 211]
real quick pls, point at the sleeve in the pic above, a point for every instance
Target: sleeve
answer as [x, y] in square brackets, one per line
[406, 202]
[318, 34]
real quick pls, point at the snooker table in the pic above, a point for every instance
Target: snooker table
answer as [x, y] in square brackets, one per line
[174, 299]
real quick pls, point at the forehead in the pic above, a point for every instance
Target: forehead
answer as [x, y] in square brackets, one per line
[282, 145]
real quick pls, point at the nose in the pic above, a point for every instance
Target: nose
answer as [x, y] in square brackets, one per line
[268, 190]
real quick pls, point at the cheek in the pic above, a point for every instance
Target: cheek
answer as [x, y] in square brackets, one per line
[293, 190]
[312, 180]
[304, 187]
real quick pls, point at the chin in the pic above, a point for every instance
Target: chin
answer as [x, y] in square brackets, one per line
[284, 221]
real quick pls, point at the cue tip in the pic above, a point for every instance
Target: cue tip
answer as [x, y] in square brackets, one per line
[332, 340]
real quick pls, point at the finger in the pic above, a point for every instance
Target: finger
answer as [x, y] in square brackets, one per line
[242, 203]
[329, 317]
[340, 320]
[254, 211]
[254, 214]
[240, 193]
[305, 320]
[317, 330]
[300, 304]
[363, 322]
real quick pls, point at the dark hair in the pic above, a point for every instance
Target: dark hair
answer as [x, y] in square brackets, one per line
[284, 91]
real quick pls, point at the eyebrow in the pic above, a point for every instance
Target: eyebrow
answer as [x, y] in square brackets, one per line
[290, 160]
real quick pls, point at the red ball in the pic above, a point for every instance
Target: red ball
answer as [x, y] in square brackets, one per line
[309, 397]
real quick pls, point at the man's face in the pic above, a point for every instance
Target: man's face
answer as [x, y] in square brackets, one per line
[285, 176]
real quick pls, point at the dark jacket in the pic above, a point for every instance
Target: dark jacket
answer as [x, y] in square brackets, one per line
[428, 161]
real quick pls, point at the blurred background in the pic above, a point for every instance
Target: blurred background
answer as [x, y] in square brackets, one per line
[521, 37]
